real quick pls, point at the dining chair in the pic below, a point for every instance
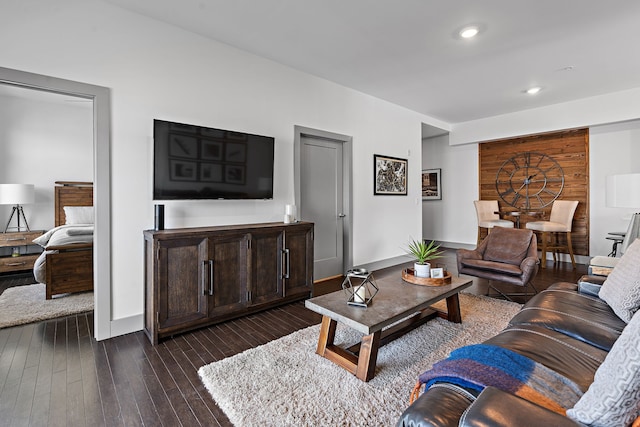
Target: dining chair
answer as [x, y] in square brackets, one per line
[560, 222]
[488, 218]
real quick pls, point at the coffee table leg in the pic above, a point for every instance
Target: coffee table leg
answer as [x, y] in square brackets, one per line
[327, 334]
[453, 309]
[368, 356]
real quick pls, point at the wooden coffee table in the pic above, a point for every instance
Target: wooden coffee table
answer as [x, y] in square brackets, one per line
[396, 300]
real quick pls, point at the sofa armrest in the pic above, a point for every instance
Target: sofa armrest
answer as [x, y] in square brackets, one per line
[466, 254]
[494, 407]
[529, 266]
[440, 406]
[590, 285]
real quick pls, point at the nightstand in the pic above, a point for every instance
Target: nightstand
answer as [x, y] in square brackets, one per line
[23, 240]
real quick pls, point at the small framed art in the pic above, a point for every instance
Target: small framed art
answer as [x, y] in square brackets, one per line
[431, 184]
[437, 273]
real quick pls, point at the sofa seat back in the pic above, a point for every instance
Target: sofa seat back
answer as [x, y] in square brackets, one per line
[579, 316]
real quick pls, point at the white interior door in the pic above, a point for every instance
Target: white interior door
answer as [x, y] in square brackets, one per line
[321, 202]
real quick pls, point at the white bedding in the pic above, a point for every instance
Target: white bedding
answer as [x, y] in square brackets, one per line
[59, 236]
[65, 235]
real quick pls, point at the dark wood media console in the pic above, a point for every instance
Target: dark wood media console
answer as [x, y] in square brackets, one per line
[195, 277]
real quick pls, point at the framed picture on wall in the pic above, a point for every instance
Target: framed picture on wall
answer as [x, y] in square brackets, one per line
[389, 175]
[431, 184]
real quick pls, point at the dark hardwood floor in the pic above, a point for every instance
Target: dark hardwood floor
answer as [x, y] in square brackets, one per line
[54, 373]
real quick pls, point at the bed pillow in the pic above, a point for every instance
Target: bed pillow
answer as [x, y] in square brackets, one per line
[621, 290]
[613, 399]
[78, 214]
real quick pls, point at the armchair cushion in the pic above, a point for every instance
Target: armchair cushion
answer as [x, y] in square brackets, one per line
[498, 267]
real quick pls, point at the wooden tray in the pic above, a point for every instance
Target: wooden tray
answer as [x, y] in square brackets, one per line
[408, 276]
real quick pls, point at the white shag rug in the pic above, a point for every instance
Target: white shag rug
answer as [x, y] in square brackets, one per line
[285, 383]
[27, 304]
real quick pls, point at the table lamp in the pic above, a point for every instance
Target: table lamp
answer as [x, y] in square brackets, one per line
[17, 195]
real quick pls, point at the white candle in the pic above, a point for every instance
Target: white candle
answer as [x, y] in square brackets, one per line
[360, 294]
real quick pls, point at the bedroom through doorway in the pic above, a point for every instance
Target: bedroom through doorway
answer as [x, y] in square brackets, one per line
[47, 137]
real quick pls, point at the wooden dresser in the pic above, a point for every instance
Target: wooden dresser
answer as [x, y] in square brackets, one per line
[199, 276]
[21, 240]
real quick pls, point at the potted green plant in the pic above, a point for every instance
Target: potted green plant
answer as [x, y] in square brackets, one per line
[423, 252]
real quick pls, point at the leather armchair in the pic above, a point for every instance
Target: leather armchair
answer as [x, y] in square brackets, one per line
[505, 255]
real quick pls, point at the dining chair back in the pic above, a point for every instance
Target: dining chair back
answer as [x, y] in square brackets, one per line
[486, 211]
[560, 222]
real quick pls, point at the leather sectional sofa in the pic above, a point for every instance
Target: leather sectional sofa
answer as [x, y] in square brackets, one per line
[570, 329]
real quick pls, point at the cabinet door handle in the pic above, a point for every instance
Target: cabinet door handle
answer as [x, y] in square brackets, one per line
[205, 266]
[287, 260]
[211, 275]
[15, 239]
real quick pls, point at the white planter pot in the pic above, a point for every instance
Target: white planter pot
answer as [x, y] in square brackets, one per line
[422, 270]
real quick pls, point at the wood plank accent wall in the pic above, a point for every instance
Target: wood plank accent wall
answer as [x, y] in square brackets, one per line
[570, 149]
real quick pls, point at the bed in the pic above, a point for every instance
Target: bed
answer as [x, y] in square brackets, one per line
[66, 264]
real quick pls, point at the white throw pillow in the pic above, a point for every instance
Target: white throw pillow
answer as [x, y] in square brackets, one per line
[613, 399]
[621, 290]
[78, 214]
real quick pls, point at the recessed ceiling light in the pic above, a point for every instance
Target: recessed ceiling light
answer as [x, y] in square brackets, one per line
[533, 90]
[469, 32]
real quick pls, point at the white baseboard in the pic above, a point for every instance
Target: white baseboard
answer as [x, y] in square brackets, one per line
[389, 262]
[127, 325]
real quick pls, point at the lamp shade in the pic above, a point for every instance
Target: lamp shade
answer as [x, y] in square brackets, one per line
[16, 194]
[623, 191]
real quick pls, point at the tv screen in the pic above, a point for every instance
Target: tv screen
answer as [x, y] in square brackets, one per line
[194, 162]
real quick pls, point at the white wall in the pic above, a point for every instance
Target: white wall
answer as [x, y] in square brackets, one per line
[43, 139]
[451, 220]
[158, 71]
[613, 149]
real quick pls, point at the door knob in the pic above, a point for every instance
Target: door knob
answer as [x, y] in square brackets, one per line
[341, 215]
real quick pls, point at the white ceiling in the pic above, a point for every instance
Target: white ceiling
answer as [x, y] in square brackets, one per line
[408, 52]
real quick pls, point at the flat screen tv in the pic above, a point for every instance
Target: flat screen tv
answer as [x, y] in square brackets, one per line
[195, 162]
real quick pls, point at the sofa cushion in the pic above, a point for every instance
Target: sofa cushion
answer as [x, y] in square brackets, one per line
[621, 290]
[508, 245]
[571, 358]
[613, 399]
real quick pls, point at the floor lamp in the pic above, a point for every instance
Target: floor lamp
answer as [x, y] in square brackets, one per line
[623, 191]
[17, 195]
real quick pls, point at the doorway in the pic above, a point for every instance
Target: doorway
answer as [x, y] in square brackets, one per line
[101, 160]
[323, 187]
